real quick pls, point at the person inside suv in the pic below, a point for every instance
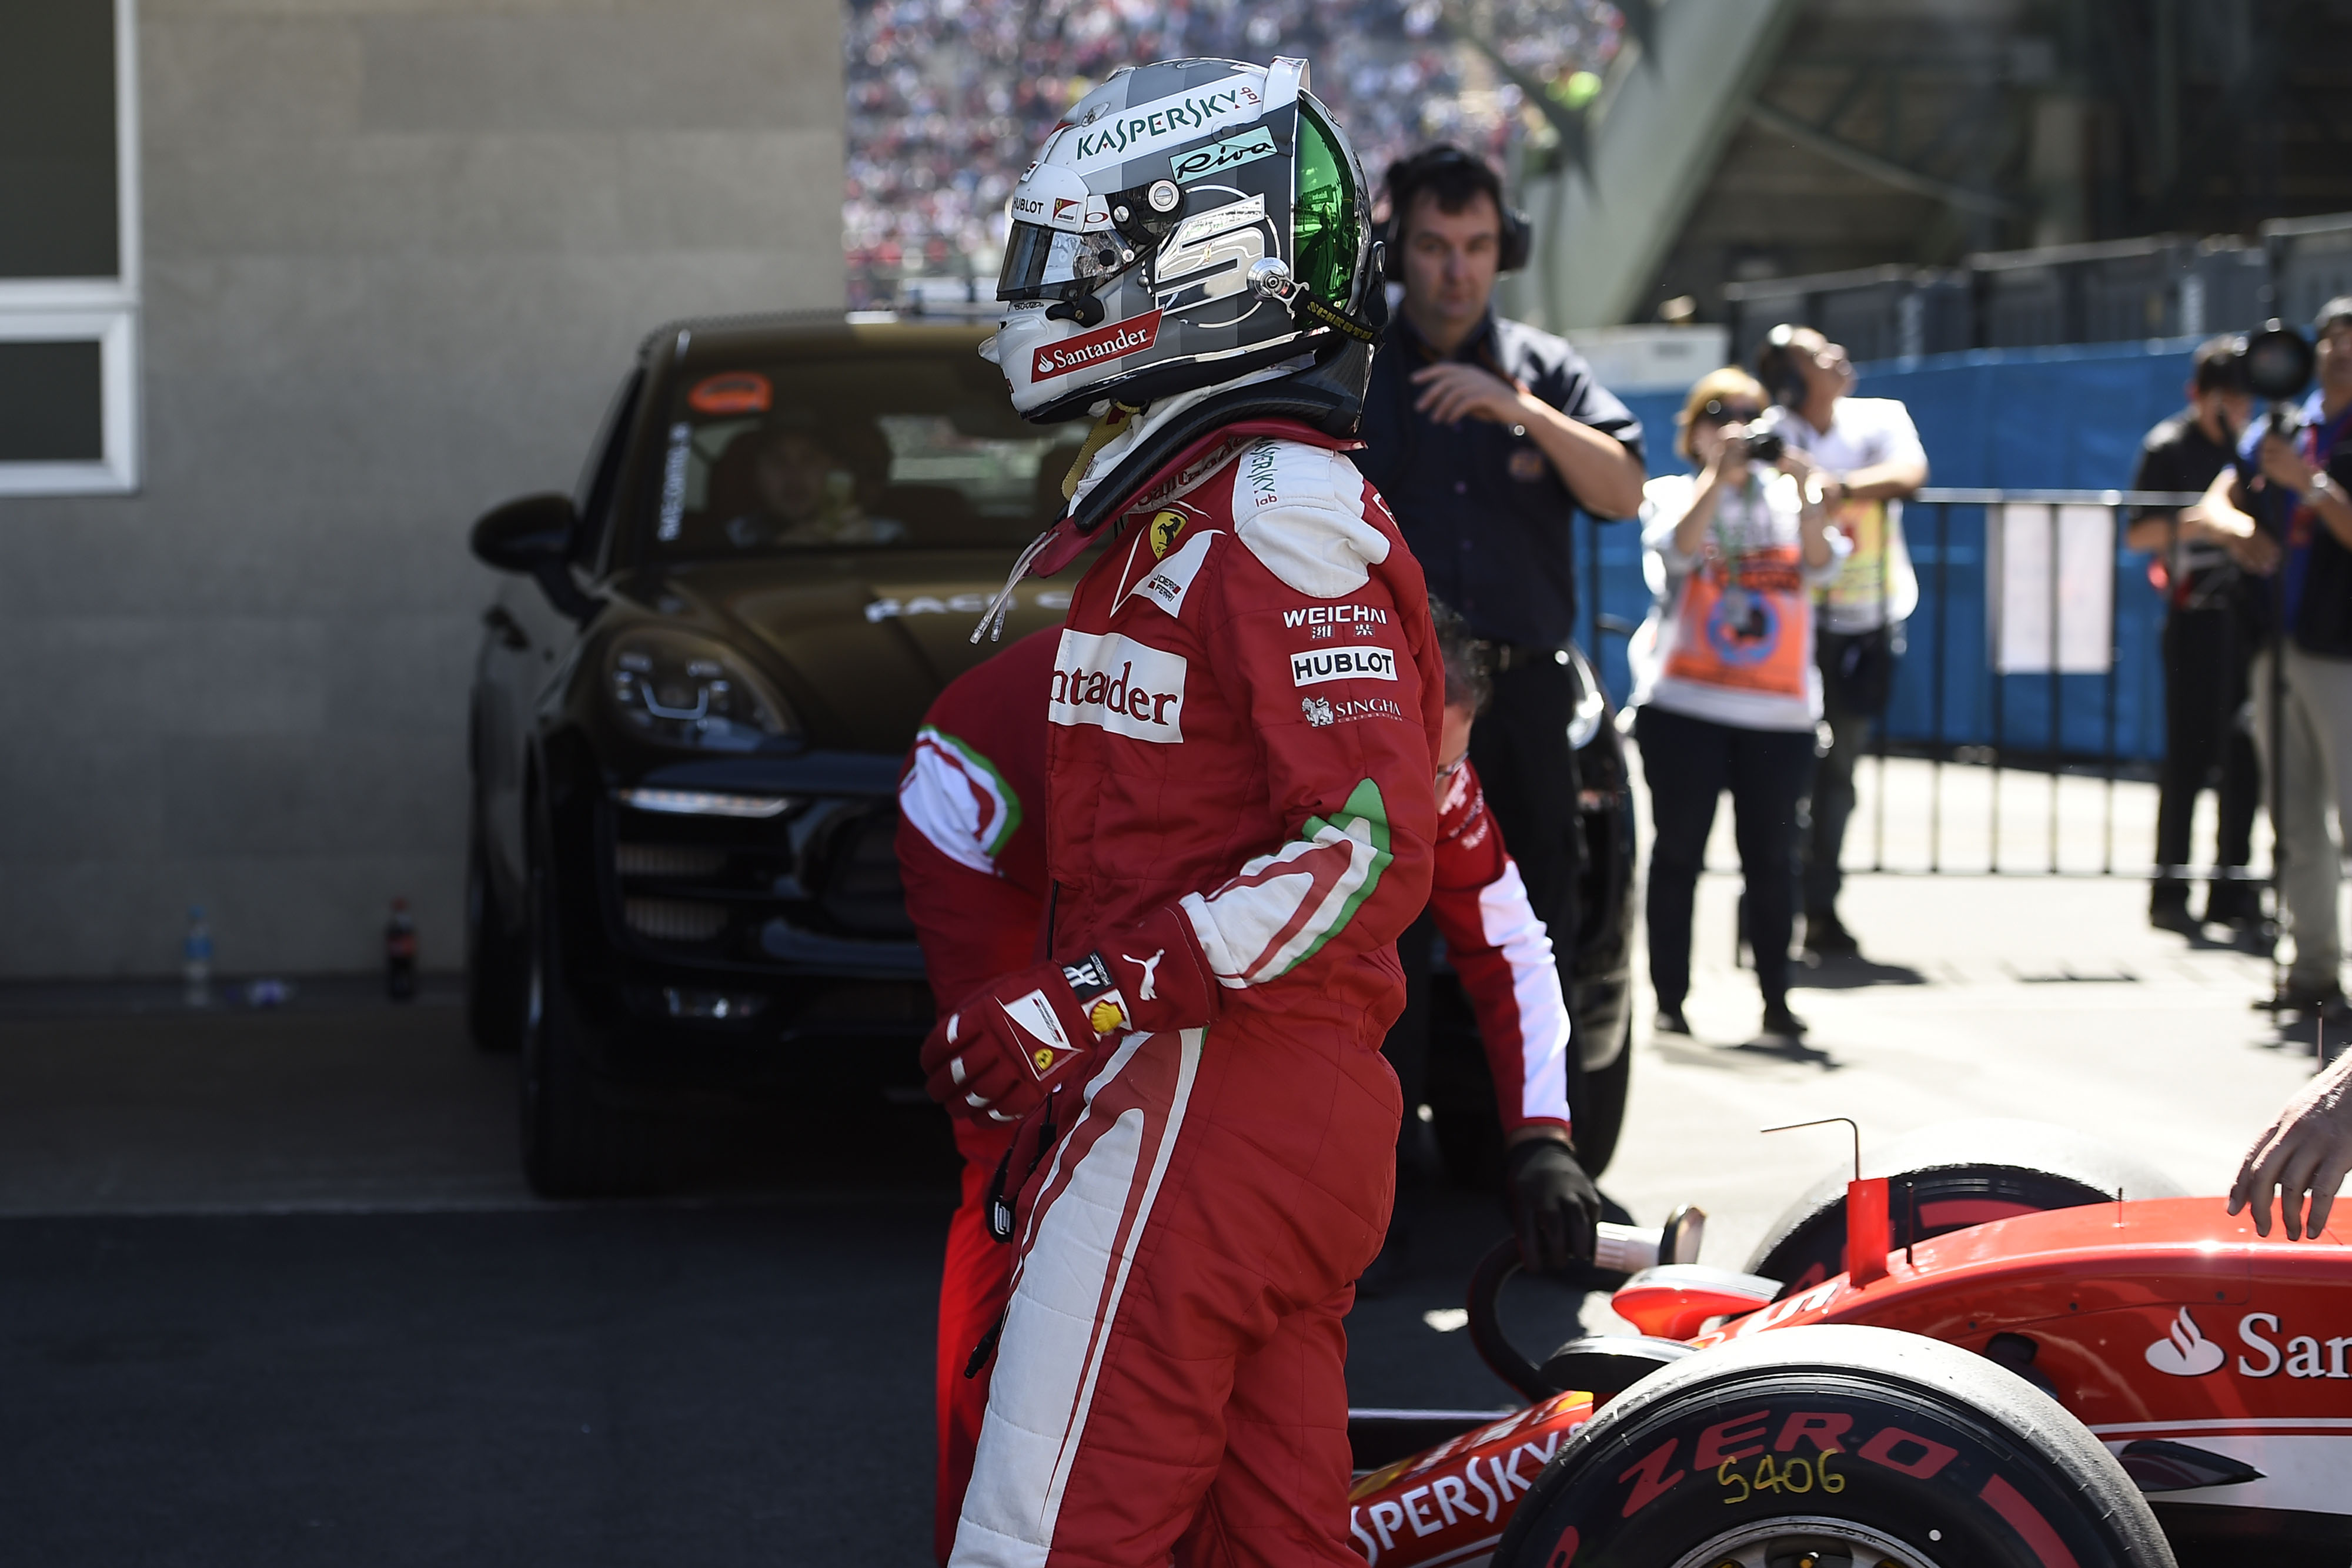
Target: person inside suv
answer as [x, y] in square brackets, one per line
[800, 481]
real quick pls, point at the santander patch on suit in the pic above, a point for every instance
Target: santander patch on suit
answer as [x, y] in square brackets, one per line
[1117, 684]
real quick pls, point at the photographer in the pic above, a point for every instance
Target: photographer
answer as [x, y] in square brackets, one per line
[1871, 459]
[1726, 691]
[2213, 614]
[2292, 485]
[1485, 436]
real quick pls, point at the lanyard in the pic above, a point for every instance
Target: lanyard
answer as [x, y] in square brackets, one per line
[1751, 495]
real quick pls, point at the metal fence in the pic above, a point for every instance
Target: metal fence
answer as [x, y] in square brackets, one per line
[2034, 624]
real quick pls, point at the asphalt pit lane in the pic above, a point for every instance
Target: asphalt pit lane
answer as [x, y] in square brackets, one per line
[126, 1347]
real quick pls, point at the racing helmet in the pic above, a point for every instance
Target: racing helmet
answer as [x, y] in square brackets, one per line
[1187, 223]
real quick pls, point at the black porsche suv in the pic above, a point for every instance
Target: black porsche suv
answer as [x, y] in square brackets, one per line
[691, 702]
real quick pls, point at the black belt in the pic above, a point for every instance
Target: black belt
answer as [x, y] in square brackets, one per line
[1510, 654]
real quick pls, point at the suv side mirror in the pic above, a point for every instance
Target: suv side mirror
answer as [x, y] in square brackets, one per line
[533, 535]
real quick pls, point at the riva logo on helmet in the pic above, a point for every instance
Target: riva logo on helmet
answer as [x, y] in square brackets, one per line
[1149, 127]
[1120, 684]
[1231, 153]
[1319, 665]
[1131, 336]
[1209, 256]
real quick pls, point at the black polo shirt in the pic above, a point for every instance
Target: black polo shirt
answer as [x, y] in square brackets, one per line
[2178, 456]
[1483, 508]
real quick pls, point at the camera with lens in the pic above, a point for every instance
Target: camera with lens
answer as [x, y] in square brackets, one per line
[1764, 445]
[2278, 363]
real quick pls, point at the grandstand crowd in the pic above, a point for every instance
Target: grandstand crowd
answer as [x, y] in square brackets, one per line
[949, 99]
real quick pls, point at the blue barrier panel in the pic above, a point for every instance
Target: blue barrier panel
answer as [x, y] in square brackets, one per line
[2048, 418]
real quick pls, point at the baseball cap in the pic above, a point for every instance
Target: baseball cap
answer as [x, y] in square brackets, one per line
[2336, 309]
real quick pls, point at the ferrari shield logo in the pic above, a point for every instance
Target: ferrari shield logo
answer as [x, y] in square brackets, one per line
[1033, 1015]
[1166, 526]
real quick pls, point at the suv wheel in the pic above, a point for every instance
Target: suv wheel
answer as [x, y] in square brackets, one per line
[498, 961]
[575, 1144]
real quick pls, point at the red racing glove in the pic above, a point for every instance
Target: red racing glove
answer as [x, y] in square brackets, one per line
[1006, 1045]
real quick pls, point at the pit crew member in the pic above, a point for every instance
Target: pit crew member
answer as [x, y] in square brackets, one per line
[2302, 1156]
[1189, 259]
[1502, 954]
[972, 858]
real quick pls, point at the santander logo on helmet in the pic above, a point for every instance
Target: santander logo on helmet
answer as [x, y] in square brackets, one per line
[1163, 238]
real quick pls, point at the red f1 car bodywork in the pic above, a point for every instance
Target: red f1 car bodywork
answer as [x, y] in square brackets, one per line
[2215, 1363]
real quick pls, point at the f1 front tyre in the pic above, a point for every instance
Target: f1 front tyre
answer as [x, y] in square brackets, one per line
[1946, 1177]
[1837, 1447]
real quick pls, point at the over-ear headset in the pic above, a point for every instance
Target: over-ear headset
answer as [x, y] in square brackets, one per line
[1408, 177]
[1776, 367]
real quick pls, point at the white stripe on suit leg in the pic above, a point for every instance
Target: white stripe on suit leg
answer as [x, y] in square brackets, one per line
[1041, 1395]
[1188, 1062]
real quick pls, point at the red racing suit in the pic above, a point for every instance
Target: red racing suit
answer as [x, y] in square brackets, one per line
[1503, 955]
[971, 857]
[1243, 706]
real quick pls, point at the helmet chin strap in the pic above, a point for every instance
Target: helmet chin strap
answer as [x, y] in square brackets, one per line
[1113, 422]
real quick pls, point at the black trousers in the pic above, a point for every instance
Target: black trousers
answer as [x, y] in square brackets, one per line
[1524, 764]
[1688, 763]
[2207, 652]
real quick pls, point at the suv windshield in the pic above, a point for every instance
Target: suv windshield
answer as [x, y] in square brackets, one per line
[886, 451]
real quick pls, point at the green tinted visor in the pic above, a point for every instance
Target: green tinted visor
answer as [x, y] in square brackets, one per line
[1327, 231]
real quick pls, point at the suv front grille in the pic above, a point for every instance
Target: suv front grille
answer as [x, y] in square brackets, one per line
[752, 890]
[674, 919]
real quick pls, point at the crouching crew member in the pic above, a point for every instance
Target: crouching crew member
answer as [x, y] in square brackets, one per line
[971, 857]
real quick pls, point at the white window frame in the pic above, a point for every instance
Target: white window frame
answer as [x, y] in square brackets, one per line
[102, 310]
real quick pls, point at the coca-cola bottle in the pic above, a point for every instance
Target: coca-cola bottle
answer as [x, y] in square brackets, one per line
[400, 954]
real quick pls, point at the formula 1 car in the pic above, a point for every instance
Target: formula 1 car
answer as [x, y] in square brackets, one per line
[2001, 1346]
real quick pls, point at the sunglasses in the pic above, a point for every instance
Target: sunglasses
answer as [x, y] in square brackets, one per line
[1717, 411]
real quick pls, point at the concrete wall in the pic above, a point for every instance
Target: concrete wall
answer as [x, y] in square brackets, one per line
[398, 252]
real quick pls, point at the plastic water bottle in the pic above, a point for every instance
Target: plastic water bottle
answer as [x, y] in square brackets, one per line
[400, 954]
[196, 959]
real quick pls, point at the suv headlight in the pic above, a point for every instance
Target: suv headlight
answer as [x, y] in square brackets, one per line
[689, 691]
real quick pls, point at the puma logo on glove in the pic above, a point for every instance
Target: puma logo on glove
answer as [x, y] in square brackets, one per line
[1147, 992]
[1006, 1046]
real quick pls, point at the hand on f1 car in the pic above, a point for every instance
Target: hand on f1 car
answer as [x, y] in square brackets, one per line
[1553, 1203]
[1006, 1046]
[2301, 1157]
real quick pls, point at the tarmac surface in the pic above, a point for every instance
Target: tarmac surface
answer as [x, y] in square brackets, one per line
[276, 1294]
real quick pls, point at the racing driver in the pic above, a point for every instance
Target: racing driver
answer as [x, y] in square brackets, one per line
[971, 855]
[1241, 716]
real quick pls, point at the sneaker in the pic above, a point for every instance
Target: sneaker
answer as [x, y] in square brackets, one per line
[2233, 904]
[1780, 1022]
[1827, 937]
[1670, 1020]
